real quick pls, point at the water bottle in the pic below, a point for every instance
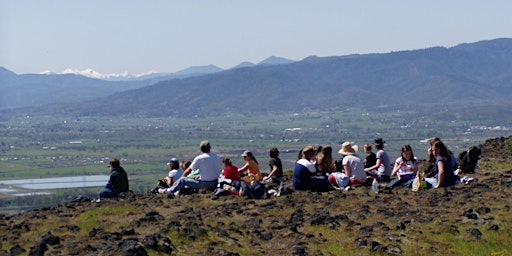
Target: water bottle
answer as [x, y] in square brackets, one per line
[375, 185]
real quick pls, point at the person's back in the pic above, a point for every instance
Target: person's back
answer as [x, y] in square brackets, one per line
[385, 164]
[356, 167]
[209, 164]
[121, 182]
[371, 158]
[118, 181]
[230, 171]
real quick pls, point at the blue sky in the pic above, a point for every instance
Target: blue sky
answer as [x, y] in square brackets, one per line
[168, 36]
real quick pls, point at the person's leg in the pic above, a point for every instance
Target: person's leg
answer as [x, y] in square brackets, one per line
[180, 184]
[395, 183]
[281, 184]
[383, 178]
[408, 183]
[106, 193]
[320, 184]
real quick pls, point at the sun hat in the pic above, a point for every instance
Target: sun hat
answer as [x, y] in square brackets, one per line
[246, 153]
[348, 149]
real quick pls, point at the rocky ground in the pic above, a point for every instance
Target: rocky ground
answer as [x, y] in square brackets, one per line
[464, 220]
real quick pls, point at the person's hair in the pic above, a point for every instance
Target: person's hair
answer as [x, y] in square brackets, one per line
[324, 158]
[433, 140]
[407, 148]
[308, 152]
[115, 163]
[367, 147]
[318, 149]
[205, 149]
[443, 150]
[274, 153]
[299, 156]
[175, 165]
[251, 156]
[227, 161]
[185, 164]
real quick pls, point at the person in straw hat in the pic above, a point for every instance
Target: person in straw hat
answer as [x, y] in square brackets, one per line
[353, 168]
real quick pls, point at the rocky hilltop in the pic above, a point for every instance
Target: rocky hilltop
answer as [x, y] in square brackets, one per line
[471, 219]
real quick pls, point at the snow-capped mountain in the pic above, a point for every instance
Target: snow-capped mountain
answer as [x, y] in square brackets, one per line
[95, 74]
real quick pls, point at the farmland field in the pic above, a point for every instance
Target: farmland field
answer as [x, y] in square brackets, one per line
[49, 146]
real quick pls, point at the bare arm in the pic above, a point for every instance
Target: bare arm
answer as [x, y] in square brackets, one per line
[440, 175]
[376, 166]
[347, 170]
[186, 172]
[244, 168]
[396, 168]
[272, 173]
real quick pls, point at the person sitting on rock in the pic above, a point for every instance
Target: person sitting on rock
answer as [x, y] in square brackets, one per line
[371, 158]
[276, 171]
[210, 166]
[251, 166]
[175, 172]
[445, 175]
[324, 162]
[118, 182]
[304, 177]
[406, 167]
[353, 172]
[382, 168]
[230, 171]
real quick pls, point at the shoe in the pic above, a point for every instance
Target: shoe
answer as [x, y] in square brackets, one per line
[97, 200]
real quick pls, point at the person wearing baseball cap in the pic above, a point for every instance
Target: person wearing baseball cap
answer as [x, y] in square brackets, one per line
[175, 172]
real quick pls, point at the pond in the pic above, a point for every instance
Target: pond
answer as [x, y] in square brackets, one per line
[57, 183]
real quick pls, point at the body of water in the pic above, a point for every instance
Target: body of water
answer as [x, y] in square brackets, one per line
[57, 183]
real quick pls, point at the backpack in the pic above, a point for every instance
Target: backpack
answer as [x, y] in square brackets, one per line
[468, 159]
[254, 191]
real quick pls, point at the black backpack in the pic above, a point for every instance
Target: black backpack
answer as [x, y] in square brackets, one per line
[468, 159]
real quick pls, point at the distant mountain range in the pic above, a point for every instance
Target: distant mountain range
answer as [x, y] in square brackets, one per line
[72, 85]
[468, 74]
[196, 70]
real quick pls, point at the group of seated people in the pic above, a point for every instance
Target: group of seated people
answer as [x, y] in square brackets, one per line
[315, 170]
[211, 175]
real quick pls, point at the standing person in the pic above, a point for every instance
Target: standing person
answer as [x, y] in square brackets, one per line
[276, 170]
[406, 167]
[445, 176]
[230, 171]
[353, 168]
[371, 158]
[324, 162]
[251, 166]
[382, 168]
[210, 166]
[118, 182]
[304, 177]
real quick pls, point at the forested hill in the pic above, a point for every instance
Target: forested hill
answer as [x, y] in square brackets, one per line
[468, 74]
